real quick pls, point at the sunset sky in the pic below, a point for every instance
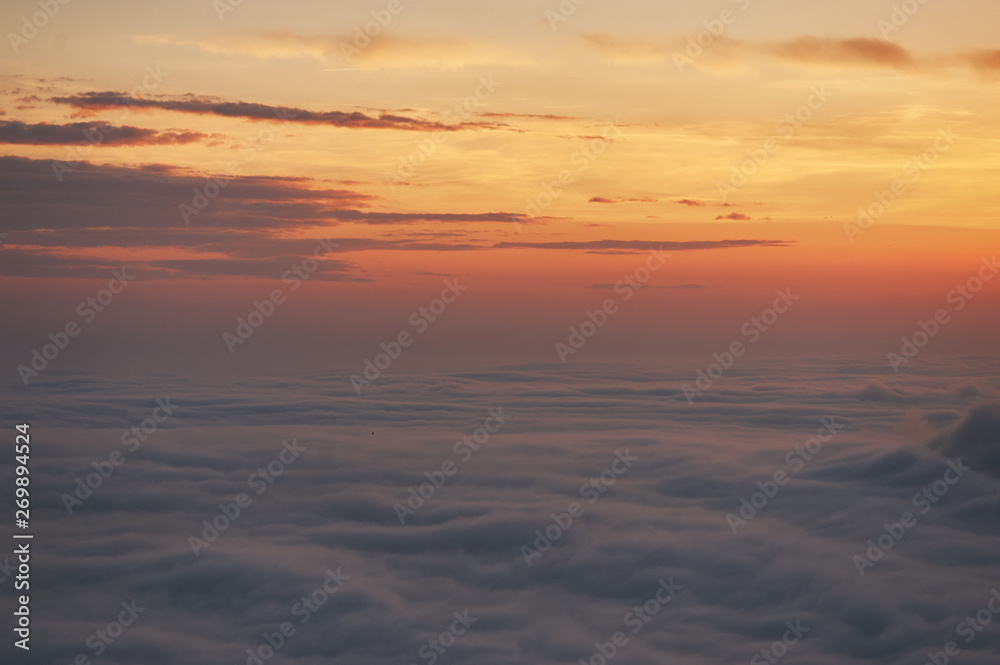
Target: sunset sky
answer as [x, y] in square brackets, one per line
[323, 133]
[719, 243]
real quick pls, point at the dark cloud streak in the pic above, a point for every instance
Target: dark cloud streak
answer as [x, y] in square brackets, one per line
[90, 133]
[99, 101]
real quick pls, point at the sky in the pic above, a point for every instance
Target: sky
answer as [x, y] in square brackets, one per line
[766, 138]
[552, 331]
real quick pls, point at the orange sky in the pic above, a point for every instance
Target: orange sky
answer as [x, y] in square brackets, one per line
[645, 127]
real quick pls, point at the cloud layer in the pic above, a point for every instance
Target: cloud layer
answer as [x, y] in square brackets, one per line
[254, 226]
[664, 517]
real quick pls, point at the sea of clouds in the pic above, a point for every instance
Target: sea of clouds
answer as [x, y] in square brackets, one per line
[432, 518]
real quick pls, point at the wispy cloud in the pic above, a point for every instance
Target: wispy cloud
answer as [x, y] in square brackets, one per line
[201, 105]
[622, 199]
[851, 52]
[804, 51]
[43, 133]
[383, 51]
[639, 246]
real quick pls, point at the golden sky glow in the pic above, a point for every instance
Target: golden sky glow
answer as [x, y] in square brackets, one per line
[436, 146]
